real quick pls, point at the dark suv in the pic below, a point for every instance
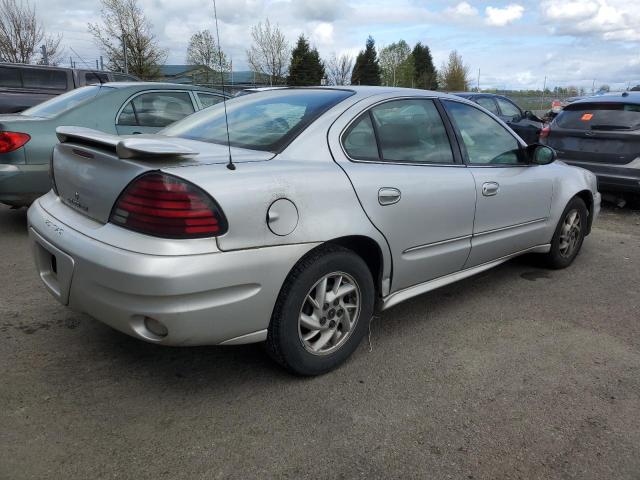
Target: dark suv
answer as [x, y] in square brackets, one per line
[524, 123]
[601, 134]
[23, 86]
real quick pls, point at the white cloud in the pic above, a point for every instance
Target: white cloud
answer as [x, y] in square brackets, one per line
[322, 34]
[608, 19]
[499, 17]
[464, 9]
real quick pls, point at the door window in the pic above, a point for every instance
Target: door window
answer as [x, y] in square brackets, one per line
[207, 99]
[508, 109]
[10, 77]
[411, 131]
[489, 104]
[35, 78]
[486, 141]
[360, 140]
[128, 116]
[157, 109]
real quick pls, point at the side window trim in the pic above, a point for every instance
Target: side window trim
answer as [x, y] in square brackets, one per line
[463, 148]
[458, 158]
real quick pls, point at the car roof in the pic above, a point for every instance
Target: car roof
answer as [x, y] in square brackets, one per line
[159, 85]
[624, 97]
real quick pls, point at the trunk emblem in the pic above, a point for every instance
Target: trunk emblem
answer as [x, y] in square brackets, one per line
[589, 134]
[75, 201]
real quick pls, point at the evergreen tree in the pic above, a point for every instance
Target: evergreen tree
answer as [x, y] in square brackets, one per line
[306, 67]
[425, 74]
[366, 70]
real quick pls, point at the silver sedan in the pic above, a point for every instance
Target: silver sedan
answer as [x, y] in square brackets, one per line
[293, 216]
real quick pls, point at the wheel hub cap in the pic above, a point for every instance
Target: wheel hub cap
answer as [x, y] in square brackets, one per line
[570, 233]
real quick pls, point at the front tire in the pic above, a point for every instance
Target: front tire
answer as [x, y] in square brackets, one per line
[569, 235]
[322, 312]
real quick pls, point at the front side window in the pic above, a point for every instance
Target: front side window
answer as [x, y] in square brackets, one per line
[67, 101]
[486, 141]
[489, 104]
[265, 121]
[158, 109]
[508, 109]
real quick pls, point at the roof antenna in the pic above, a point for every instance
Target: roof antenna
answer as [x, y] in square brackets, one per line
[230, 165]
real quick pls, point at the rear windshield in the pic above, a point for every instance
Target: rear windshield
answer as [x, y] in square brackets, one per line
[600, 116]
[66, 101]
[265, 121]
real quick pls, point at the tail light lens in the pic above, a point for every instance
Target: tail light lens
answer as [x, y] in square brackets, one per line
[162, 205]
[10, 141]
[544, 133]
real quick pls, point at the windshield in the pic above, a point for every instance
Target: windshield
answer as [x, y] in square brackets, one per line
[265, 121]
[66, 101]
[600, 116]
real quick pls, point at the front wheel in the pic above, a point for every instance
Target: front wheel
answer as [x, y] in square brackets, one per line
[322, 312]
[569, 235]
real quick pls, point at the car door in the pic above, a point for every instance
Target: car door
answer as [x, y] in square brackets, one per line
[511, 114]
[411, 184]
[151, 111]
[513, 196]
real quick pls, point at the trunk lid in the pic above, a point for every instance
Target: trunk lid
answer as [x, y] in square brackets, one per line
[597, 132]
[91, 168]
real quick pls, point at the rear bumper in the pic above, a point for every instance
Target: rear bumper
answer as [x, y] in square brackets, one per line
[621, 178]
[21, 184]
[203, 299]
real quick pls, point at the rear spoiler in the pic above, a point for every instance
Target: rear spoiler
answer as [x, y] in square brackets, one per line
[130, 147]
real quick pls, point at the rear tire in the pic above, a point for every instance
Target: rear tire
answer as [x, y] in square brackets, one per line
[569, 235]
[322, 312]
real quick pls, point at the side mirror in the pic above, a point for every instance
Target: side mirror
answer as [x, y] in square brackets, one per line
[541, 154]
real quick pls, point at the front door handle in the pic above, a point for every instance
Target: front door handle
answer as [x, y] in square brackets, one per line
[489, 189]
[388, 196]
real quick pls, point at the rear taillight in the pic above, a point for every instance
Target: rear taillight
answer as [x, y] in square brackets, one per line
[162, 205]
[10, 141]
[544, 133]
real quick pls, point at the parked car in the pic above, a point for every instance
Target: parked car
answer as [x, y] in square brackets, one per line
[601, 134]
[27, 139]
[23, 86]
[524, 123]
[337, 200]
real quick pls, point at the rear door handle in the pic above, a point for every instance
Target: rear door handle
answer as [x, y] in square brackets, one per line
[489, 189]
[388, 196]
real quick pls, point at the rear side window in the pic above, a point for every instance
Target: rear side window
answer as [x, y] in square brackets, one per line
[95, 77]
[49, 79]
[600, 116]
[207, 99]
[488, 103]
[10, 77]
[360, 140]
[411, 131]
[157, 109]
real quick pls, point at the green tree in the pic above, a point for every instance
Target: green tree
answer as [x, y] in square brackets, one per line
[367, 69]
[306, 67]
[454, 74]
[396, 65]
[425, 73]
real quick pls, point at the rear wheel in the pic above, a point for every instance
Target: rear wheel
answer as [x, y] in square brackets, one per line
[322, 312]
[569, 235]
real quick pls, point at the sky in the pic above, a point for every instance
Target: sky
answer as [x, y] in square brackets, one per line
[514, 44]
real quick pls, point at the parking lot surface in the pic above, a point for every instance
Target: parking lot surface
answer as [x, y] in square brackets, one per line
[519, 372]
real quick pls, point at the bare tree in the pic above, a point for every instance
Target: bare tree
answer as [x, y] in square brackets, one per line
[396, 64]
[124, 28]
[339, 69]
[53, 53]
[22, 35]
[203, 50]
[269, 53]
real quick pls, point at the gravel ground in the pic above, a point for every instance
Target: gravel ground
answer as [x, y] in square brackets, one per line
[517, 373]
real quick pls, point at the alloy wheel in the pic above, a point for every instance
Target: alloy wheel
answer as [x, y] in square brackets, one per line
[570, 233]
[329, 313]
